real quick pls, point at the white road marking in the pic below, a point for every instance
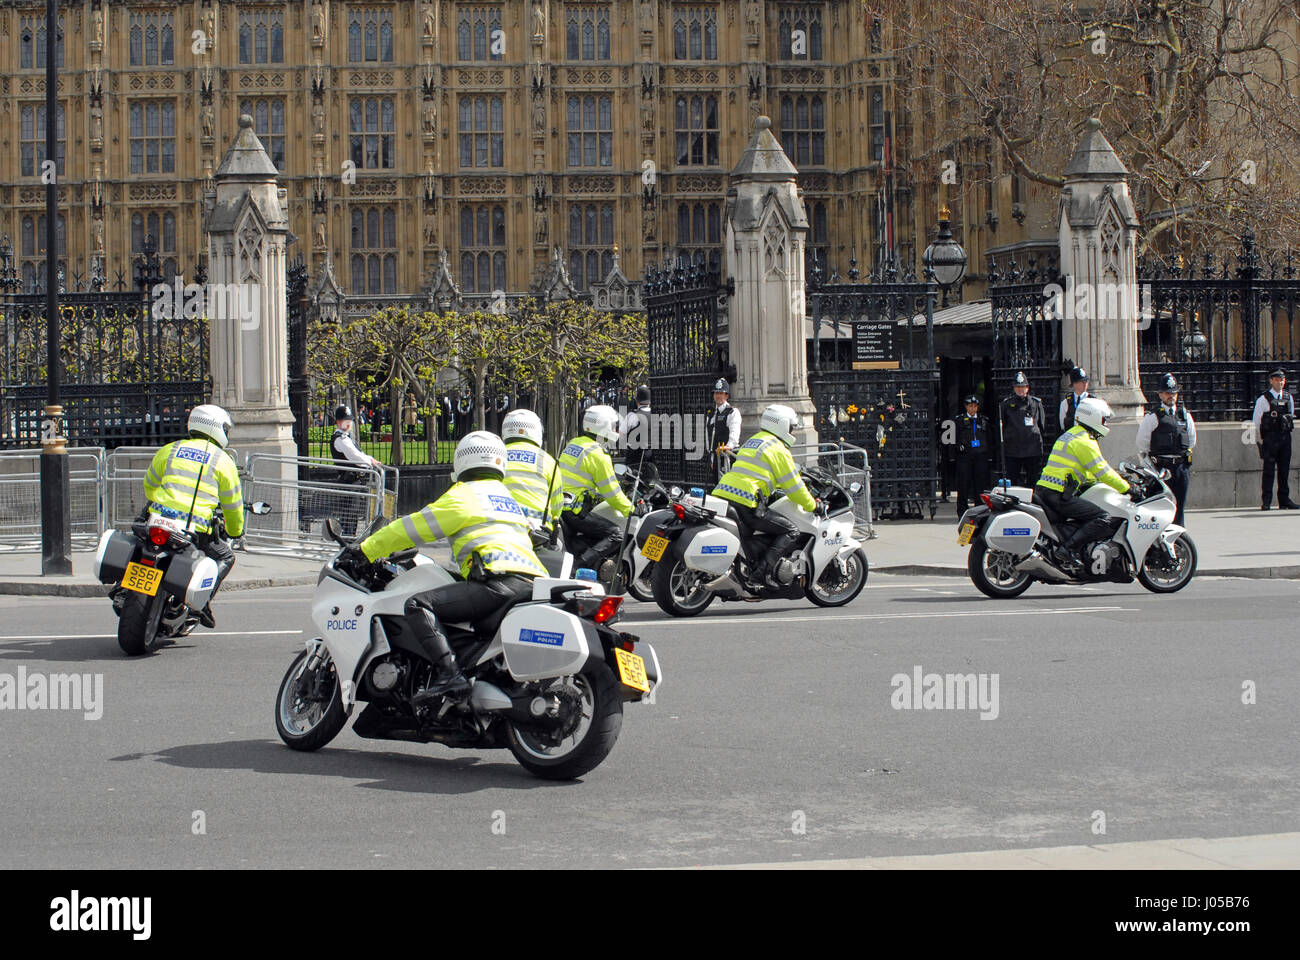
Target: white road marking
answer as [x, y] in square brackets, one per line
[113, 636]
[901, 616]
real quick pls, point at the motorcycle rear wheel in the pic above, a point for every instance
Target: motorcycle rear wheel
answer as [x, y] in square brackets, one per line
[592, 739]
[992, 574]
[137, 627]
[671, 577]
[643, 589]
[304, 724]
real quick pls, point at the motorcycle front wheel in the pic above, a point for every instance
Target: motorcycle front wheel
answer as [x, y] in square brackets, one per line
[137, 628]
[834, 590]
[594, 724]
[1159, 574]
[994, 574]
[309, 707]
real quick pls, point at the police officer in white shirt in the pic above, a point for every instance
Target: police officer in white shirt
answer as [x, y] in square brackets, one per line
[724, 427]
[1079, 383]
[1274, 417]
[345, 451]
[1167, 436]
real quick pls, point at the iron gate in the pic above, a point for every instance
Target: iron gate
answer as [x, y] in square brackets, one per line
[889, 406]
[130, 373]
[1027, 336]
[685, 361]
[297, 319]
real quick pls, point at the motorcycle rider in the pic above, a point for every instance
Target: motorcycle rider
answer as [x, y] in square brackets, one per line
[588, 476]
[1075, 461]
[488, 533]
[764, 465]
[532, 476]
[190, 479]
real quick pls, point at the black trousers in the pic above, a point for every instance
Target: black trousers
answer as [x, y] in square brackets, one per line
[1180, 476]
[1094, 522]
[1024, 471]
[1277, 459]
[348, 506]
[474, 600]
[601, 536]
[785, 533]
[972, 480]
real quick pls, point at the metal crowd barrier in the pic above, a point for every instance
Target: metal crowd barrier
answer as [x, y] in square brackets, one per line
[20, 497]
[305, 491]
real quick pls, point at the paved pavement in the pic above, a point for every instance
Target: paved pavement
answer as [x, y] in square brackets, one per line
[779, 737]
[1236, 543]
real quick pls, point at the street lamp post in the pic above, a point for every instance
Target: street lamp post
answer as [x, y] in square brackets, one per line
[945, 257]
[56, 533]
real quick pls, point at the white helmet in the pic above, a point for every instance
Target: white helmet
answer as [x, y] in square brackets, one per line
[522, 424]
[601, 422]
[211, 421]
[780, 420]
[1093, 413]
[479, 450]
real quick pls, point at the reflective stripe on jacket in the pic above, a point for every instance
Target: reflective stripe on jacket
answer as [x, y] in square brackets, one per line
[585, 467]
[529, 473]
[478, 517]
[181, 467]
[763, 464]
[1077, 455]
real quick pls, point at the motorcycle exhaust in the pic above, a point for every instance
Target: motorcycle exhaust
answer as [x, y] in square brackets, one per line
[1036, 564]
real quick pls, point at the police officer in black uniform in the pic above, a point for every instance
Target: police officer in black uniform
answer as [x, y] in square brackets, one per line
[347, 507]
[1079, 393]
[974, 454]
[638, 452]
[724, 428]
[1022, 420]
[1167, 435]
[1274, 417]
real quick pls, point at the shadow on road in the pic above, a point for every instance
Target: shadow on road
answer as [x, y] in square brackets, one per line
[400, 772]
[73, 649]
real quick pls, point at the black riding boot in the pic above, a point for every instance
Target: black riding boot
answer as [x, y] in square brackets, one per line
[449, 681]
[779, 548]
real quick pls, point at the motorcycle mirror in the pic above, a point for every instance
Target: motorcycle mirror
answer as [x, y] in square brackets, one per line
[675, 492]
[261, 509]
[620, 469]
[332, 531]
[855, 487]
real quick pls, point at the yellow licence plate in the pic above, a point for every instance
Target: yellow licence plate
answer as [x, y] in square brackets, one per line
[142, 579]
[631, 670]
[967, 531]
[654, 548]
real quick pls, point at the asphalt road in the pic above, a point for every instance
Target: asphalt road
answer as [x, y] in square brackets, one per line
[772, 718]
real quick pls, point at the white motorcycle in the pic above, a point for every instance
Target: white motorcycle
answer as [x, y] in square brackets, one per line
[1012, 539]
[549, 674]
[700, 552]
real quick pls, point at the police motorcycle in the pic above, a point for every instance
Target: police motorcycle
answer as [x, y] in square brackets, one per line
[1012, 539]
[699, 552]
[159, 577]
[549, 674]
[628, 569]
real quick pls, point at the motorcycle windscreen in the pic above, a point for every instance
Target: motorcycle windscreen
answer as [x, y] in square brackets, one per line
[709, 550]
[1013, 532]
[541, 641]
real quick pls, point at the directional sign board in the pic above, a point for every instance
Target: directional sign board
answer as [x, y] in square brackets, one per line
[875, 345]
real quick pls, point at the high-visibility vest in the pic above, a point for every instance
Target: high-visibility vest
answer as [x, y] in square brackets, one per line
[532, 473]
[586, 469]
[478, 517]
[763, 464]
[189, 480]
[1077, 455]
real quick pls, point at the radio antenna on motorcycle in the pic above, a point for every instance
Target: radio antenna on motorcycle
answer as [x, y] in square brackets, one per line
[617, 579]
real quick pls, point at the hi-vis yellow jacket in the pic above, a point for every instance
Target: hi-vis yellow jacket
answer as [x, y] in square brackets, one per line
[1077, 455]
[586, 469]
[479, 518]
[763, 464]
[197, 477]
[530, 473]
